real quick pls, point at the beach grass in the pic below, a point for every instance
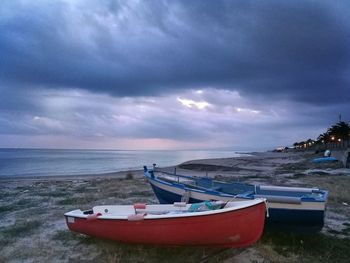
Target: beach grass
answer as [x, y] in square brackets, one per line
[32, 218]
[109, 251]
[129, 176]
[6, 208]
[77, 200]
[17, 230]
[315, 247]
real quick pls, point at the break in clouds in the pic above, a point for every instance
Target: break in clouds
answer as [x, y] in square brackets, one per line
[171, 74]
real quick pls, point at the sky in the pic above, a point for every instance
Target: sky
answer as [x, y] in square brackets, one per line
[241, 75]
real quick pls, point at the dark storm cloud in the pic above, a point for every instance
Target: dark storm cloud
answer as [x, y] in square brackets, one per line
[294, 50]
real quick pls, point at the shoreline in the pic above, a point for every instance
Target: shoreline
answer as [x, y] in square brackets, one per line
[67, 177]
[116, 174]
[234, 167]
[44, 163]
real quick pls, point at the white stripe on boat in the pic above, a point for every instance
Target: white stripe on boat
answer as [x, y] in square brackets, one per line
[288, 189]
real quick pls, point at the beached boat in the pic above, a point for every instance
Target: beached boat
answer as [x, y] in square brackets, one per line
[291, 206]
[324, 159]
[230, 224]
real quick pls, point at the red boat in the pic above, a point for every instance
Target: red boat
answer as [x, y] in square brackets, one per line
[231, 224]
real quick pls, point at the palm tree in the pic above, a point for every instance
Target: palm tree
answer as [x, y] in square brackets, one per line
[336, 133]
[324, 137]
[341, 131]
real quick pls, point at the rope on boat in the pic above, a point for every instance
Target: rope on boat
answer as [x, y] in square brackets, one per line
[267, 208]
[230, 200]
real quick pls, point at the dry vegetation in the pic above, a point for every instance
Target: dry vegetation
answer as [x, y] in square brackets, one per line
[32, 227]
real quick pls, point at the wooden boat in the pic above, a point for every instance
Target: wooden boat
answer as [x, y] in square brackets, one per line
[291, 206]
[232, 224]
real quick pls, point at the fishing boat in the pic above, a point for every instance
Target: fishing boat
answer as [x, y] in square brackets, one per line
[291, 206]
[226, 224]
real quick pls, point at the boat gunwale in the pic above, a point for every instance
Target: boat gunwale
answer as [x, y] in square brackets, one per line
[188, 187]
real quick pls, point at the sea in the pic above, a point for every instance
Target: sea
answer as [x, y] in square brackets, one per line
[59, 162]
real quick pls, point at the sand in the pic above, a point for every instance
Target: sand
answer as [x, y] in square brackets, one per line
[32, 226]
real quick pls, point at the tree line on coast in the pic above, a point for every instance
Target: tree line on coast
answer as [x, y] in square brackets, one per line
[337, 133]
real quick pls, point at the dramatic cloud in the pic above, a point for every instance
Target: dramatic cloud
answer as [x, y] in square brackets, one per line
[207, 118]
[171, 73]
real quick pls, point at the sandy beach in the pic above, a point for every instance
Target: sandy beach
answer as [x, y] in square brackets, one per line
[32, 226]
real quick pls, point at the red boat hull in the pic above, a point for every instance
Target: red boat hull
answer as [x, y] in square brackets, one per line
[236, 228]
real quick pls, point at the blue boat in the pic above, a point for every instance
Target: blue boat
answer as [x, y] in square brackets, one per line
[295, 206]
[324, 159]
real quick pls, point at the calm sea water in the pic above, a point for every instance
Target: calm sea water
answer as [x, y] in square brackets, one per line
[48, 162]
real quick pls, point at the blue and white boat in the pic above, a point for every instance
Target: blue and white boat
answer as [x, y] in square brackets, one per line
[297, 206]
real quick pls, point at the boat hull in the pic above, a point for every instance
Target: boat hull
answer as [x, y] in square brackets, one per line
[238, 228]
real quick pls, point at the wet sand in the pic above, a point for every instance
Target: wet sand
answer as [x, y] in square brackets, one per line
[32, 226]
